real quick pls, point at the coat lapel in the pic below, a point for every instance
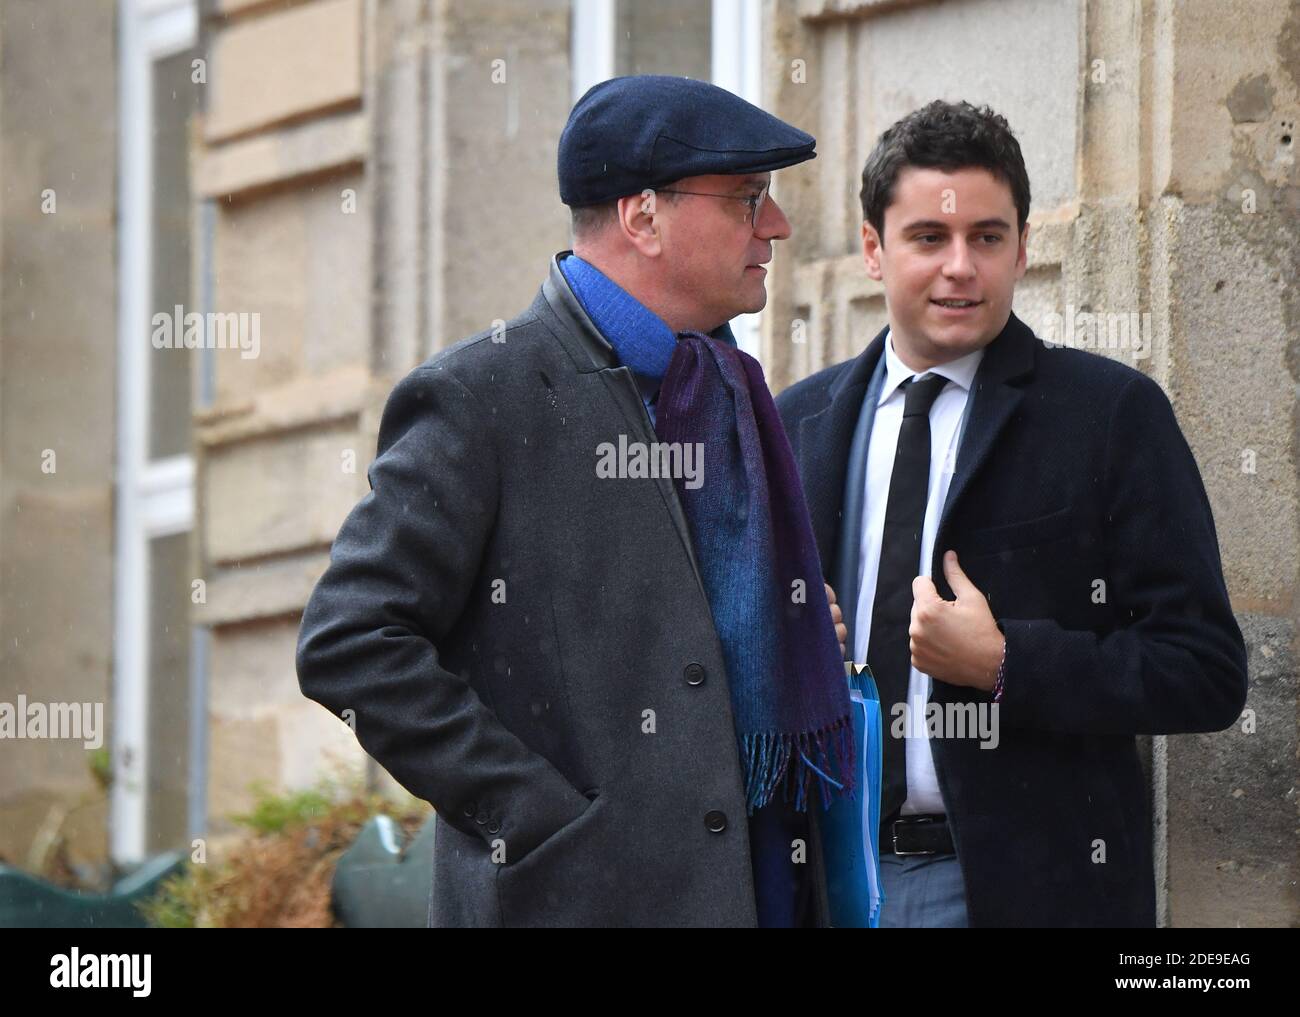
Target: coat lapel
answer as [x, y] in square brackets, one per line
[824, 442]
[1009, 357]
[591, 352]
[622, 388]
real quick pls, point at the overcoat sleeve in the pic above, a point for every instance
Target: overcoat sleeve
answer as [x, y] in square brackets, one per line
[1177, 662]
[401, 569]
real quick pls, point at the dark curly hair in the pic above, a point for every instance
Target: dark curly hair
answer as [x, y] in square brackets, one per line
[946, 136]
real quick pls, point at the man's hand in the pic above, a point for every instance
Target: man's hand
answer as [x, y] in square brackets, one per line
[955, 641]
[837, 616]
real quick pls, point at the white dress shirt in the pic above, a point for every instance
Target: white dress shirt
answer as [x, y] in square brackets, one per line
[923, 794]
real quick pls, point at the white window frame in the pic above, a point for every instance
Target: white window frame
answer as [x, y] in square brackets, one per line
[736, 66]
[155, 497]
[736, 61]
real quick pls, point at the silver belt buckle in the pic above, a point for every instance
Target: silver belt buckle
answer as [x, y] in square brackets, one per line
[917, 822]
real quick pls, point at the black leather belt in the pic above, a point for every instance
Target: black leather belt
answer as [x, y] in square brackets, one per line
[916, 835]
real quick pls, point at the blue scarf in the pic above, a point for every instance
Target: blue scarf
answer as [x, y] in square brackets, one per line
[758, 559]
[753, 539]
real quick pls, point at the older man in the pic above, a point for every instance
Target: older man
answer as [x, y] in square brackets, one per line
[573, 612]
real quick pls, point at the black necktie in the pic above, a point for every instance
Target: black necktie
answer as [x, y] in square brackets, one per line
[888, 651]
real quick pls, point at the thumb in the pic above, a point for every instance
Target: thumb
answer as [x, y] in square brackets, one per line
[957, 579]
[923, 590]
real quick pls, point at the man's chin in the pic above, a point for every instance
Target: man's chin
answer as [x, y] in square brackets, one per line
[756, 303]
[963, 336]
[942, 345]
[748, 301]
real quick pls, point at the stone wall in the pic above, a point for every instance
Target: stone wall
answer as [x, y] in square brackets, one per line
[58, 123]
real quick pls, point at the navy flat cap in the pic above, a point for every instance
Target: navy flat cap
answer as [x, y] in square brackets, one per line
[648, 130]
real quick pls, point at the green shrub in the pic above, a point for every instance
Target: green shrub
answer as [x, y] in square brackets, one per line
[280, 876]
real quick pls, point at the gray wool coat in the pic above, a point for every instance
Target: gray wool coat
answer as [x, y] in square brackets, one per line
[529, 647]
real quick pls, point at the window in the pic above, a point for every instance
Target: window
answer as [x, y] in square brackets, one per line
[153, 674]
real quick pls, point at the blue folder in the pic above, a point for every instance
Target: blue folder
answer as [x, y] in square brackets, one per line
[851, 827]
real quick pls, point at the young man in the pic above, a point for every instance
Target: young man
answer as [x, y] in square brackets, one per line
[1020, 538]
[579, 658]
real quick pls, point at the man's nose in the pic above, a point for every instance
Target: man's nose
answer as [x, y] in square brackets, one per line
[958, 264]
[772, 223]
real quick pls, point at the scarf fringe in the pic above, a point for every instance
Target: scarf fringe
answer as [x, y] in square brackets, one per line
[776, 760]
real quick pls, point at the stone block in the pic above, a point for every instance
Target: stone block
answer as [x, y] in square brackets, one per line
[284, 66]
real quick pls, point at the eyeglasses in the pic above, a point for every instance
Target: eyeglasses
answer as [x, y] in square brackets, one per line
[754, 201]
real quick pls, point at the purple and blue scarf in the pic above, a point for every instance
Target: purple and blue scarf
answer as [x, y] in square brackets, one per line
[754, 543]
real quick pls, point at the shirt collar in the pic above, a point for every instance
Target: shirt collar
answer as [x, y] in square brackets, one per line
[962, 370]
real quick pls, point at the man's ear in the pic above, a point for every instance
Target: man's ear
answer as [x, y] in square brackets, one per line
[1022, 256]
[871, 247]
[637, 214]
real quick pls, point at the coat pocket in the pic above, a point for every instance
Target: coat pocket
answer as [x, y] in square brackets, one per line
[548, 887]
[1025, 533]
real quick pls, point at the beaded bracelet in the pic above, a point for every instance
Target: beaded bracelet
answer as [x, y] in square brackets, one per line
[1002, 671]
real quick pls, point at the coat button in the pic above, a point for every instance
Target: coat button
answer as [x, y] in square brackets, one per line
[494, 827]
[469, 808]
[481, 819]
[715, 821]
[694, 674]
